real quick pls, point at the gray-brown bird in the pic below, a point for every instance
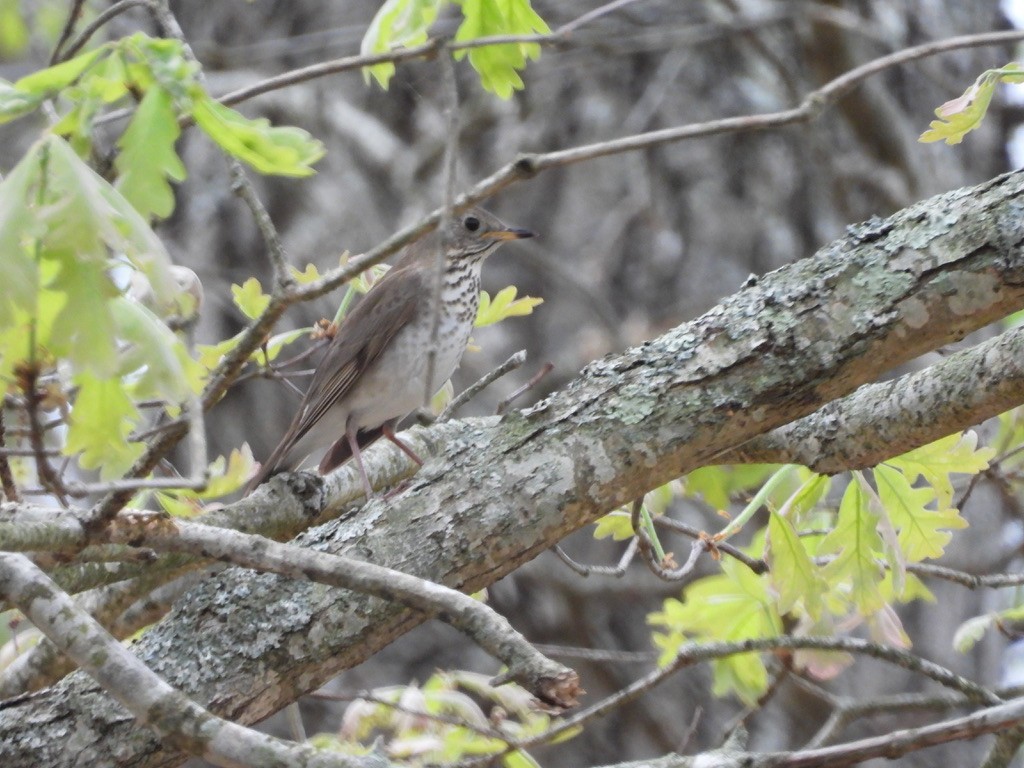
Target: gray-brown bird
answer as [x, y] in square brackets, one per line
[374, 372]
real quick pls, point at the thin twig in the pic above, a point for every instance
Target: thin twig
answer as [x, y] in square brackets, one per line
[10, 489]
[47, 475]
[589, 16]
[451, 93]
[583, 570]
[692, 653]
[74, 14]
[314, 71]
[513, 362]
[96, 24]
[753, 563]
[597, 654]
[242, 186]
[517, 393]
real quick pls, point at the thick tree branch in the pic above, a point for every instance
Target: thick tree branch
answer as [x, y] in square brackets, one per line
[882, 420]
[554, 684]
[151, 701]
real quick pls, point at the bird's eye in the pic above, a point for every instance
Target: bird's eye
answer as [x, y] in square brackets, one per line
[472, 223]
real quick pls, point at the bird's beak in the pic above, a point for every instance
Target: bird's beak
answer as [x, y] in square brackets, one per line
[512, 233]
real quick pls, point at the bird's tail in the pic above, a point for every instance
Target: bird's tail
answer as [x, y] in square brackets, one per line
[277, 462]
[336, 455]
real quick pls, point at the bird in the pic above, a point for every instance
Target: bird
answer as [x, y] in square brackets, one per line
[374, 372]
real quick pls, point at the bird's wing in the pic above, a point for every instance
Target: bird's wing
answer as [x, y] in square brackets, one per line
[363, 336]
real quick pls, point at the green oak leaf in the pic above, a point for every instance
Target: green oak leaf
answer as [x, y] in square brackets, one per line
[101, 419]
[280, 150]
[923, 533]
[793, 575]
[397, 24]
[250, 298]
[499, 65]
[935, 462]
[856, 543]
[148, 162]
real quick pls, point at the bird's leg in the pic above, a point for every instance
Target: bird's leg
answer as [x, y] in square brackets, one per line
[388, 428]
[353, 444]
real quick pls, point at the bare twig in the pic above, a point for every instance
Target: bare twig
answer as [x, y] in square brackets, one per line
[754, 564]
[74, 14]
[692, 653]
[598, 654]
[451, 93]
[519, 392]
[47, 475]
[599, 570]
[589, 16]
[513, 362]
[10, 489]
[348, 63]
[846, 711]
[93, 27]
[241, 186]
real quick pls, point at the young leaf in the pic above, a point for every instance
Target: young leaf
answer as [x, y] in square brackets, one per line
[147, 160]
[14, 34]
[504, 304]
[617, 525]
[153, 355]
[284, 151]
[83, 330]
[398, 24]
[184, 506]
[972, 630]
[230, 475]
[734, 605]
[961, 115]
[793, 575]
[226, 476]
[86, 213]
[165, 65]
[718, 484]
[101, 420]
[856, 543]
[957, 453]
[498, 65]
[308, 275]
[52, 79]
[15, 103]
[923, 533]
[18, 223]
[250, 298]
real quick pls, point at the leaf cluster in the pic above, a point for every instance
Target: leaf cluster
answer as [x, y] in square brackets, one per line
[961, 115]
[452, 716]
[830, 567]
[405, 23]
